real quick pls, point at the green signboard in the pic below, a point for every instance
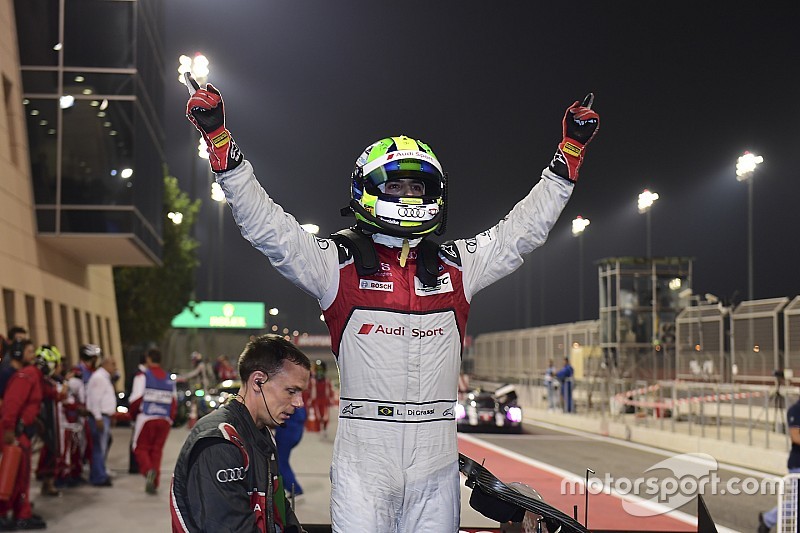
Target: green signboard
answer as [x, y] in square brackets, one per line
[235, 315]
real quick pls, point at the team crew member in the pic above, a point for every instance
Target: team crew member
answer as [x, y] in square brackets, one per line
[101, 402]
[396, 305]
[154, 402]
[226, 478]
[321, 395]
[23, 400]
[48, 361]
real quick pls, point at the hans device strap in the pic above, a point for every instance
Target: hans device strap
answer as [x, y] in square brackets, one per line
[366, 258]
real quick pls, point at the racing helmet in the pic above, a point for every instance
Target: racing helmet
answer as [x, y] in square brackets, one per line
[47, 359]
[89, 351]
[399, 216]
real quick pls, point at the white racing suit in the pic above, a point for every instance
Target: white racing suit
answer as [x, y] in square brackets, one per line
[398, 349]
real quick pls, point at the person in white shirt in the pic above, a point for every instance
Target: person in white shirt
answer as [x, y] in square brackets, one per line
[101, 402]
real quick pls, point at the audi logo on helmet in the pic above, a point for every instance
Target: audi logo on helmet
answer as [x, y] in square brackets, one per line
[412, 211]
[226, 475]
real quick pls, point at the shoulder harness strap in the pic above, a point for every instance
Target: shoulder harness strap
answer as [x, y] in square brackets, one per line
[366, 258]
[362, 248]
[428, 262]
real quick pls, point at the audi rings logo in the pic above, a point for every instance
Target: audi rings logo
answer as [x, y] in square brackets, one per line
[411, 212]
[227, 475]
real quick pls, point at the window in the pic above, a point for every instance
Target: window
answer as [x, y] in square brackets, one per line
[108, 334]
[78, 326]
[67, 348]
[49, 323]
[89, 333]
[100, 335]
[8, 304]
[11, 123]
[30, 307]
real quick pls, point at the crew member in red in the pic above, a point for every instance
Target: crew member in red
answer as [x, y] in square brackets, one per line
[154, 403]
[22, 401]
[321, 395]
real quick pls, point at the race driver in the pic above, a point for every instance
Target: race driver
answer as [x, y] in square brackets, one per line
[226, 477]
[396, 306]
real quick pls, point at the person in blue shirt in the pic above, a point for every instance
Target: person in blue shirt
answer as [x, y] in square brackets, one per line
[287, 436]
[565, 379]
[769, 519]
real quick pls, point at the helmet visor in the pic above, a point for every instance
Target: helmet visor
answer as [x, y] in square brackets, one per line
[405, 169]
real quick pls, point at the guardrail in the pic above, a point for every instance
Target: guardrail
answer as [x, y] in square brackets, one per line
[737, 413]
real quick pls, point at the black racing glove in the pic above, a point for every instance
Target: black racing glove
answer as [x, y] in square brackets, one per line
[579, 127]
[206, 111]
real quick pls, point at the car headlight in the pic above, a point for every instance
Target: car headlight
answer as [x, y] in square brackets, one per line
[514, 414]
[122, 409]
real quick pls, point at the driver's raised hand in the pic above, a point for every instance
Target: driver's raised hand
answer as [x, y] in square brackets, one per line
[206, 110]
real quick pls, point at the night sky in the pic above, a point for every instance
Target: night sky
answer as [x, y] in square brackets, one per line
[682, 89]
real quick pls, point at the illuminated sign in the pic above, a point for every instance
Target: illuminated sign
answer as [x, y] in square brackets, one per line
[231, 315]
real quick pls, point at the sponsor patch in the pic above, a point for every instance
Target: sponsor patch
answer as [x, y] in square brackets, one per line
[571, 149]
[443, 285]
[221, 139]
[373, 285]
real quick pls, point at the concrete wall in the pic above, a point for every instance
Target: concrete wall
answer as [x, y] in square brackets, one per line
[35, 278]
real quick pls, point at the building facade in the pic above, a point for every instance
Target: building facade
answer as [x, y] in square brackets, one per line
[81, 168]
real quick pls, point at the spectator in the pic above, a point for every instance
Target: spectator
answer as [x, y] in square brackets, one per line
[154, 403]
[201, 375]
[224, 369]
[22, 405]
[101, 402]
[73, 421]
[15, 334]
[551, 385]
[565, 379]
[88, 354]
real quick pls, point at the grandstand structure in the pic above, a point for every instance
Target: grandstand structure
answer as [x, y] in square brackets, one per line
[651, 327]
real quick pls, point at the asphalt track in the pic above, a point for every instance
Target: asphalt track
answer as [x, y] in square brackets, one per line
[541, 458]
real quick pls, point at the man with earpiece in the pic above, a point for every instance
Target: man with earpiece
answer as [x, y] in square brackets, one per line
[226, 477]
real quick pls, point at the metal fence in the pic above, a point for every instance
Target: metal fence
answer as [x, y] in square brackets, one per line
[712, 343]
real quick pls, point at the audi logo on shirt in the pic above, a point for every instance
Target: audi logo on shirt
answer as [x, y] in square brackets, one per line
[409, 211]
[227, 475]
[399, 331]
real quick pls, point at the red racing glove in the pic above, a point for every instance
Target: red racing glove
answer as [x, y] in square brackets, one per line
[579, 127]
[206, 111]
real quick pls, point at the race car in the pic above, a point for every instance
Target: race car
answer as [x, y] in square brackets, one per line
[483, 410]
[217, 396]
